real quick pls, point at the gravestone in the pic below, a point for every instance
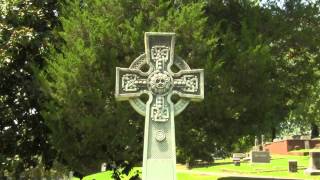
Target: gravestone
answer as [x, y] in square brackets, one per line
[260, 157]
[239, 155]
[314, 164]
[307, 144]
[293, 165]
[236, 162]
[236, 157]
[103, 167]
[70, 175]
[160, 83]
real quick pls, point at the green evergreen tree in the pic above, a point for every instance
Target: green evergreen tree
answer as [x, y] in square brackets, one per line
[296, 47]
[88, 126]
[249, 76]
[240, 96]
[25, 32]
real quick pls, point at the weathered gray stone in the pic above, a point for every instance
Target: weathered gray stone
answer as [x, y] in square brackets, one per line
[103, 167]
[260, 157]
[307, 144]
[256, 144]
[314, 164]
[293, 166]
[236, 162]
[239, 155]
[262, 142]
[70, 175]
[160, 83]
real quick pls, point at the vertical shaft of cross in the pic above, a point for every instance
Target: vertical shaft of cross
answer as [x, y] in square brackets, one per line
[159, 146]
[159, 158]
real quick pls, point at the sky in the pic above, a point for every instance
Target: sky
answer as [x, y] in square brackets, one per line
[280, 2]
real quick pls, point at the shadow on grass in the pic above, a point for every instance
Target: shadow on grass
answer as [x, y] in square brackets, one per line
[222, 163]
[260, 171]
[201, 165]
[279, 170]
[211, 164]
[249, 178]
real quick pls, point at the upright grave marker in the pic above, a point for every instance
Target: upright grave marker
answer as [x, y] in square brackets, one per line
[314, 164]
[160, 83]
[258, 154]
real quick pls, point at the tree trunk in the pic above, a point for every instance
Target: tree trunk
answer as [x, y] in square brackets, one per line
[314, 130]
[273, 133]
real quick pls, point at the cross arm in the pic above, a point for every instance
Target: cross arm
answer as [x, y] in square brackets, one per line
[130, 83]
[189, 84]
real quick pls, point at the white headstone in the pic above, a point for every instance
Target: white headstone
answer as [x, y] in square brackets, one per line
[103, 167]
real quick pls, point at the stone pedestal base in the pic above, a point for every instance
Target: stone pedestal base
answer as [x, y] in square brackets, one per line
[314, 164]
[310, 171]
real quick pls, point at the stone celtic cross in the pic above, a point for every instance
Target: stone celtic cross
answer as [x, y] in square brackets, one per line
[160, 83]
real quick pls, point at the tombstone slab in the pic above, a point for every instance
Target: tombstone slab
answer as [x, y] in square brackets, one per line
[259, 157]
[293, 166]
[307, 144]
[239, 155]
[314, 164]
[103, 167]
[160, 83]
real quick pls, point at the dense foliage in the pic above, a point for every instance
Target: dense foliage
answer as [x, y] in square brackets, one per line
[25, 32]
[88, 124]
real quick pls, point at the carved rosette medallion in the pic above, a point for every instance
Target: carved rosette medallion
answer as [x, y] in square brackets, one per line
[160, 83]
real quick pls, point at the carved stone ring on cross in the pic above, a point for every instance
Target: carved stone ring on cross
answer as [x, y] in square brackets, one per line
[159, 83]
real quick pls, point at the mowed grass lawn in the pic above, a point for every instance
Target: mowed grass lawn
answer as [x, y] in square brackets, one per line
[277, 168]
[180, 176]
[224, 169]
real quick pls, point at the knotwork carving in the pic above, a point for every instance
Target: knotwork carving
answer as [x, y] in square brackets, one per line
[191, 83]
[160, 53]
[138, 105]
[129, 82]
[159, 110]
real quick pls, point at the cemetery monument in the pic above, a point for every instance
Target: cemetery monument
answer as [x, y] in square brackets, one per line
[256, 144]
[160, 83]
[314, 164]
[258, 154]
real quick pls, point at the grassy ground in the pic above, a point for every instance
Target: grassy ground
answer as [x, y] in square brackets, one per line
[225, 170]
[277, 168]
[307, 150]
[181, 176]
